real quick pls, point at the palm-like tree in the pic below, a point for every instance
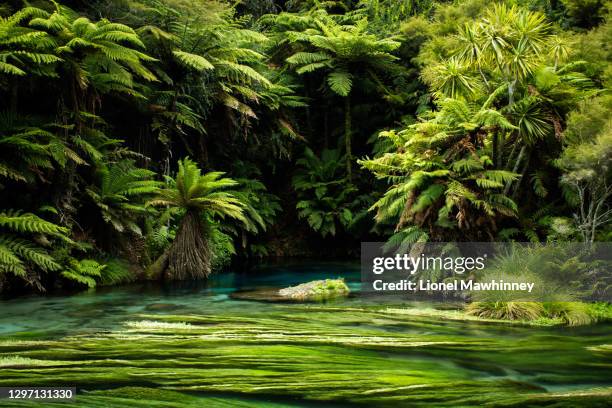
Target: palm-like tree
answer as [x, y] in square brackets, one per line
[443, 177]
[511, 48]
[196, 197]
[98, 57]
[220, 60]
[343, 52]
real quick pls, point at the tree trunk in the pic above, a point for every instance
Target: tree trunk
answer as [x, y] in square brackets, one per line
[347, 137]
[326, 126]
[515, 169]
[495, 149]
[309, 127]
[522, 176]
[156, 270]
[189, 256]
[14, 97]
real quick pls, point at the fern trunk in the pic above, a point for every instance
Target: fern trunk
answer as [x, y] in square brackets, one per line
[515, 168]
[190, 254]
[156, 270]
[522, 176]
[495, 149]
[347, 137]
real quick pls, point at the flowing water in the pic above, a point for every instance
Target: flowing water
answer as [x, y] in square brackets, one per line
[198, 344]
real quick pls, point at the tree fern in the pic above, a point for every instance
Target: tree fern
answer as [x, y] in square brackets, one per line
[19, 255]
[85, 272]
[199, 197]
[121, 194]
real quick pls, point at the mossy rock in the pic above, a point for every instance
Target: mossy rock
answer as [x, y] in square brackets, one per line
[316, 290]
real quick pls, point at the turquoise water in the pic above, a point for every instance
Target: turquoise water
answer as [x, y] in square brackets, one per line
[196, 343]
[106, 308]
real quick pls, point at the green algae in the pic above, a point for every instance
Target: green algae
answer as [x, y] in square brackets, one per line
[207, 347]
[368, 356]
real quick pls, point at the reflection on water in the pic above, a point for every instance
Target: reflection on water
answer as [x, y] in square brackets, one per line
[106, 308]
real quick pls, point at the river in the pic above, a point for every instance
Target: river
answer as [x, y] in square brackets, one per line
[197, 344]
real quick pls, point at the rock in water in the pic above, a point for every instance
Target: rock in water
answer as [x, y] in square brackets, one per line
[316, 290]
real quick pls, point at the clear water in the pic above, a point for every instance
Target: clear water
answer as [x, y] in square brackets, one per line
[284, 354]
[107, 308]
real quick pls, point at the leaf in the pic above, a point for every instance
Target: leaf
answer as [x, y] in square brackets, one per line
[340, 82]
[197, 62]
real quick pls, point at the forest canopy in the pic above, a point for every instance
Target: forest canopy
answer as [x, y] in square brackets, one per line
[163, 139]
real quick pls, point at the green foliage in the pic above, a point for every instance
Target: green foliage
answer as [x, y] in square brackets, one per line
[116, 271]
[20, 253]
[343, 51]
[442, 175]
[260, 211]
[568, 313]
[502, 80]
[326, 200]
[501, 113]
[506, 310]
[192, 190]
[572, 313]
[84, 271]
[222, 246]
[562, 272]
[586, 163]
[121, 194]
[201, 200]
[24, 49]
[29, 149]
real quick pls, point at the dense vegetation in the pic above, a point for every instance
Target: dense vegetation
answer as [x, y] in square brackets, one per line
[161, 138]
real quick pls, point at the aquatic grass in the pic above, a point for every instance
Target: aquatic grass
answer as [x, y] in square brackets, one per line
[21, 362]
[366, 355]
[157, 325]
[605, 349]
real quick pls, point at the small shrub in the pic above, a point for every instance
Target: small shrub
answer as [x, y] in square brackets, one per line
[601, 311]
[572, 313]
[117, 271]
[507, 310]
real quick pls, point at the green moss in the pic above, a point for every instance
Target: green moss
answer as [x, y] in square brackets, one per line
[316, 290]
